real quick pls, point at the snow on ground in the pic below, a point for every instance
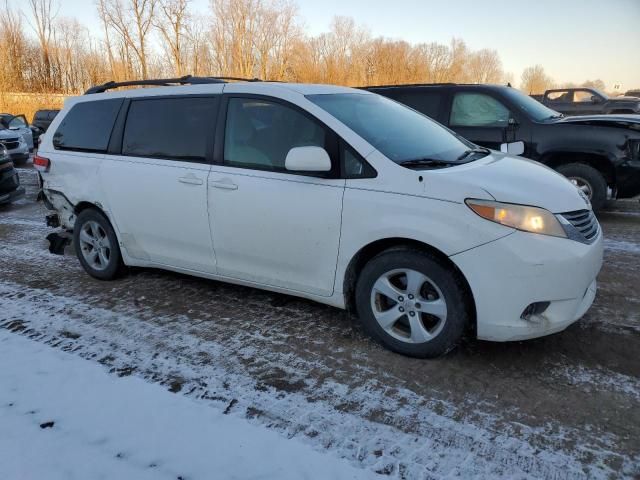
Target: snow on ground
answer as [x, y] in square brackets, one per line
[440, 446]
[621, 246]
[62, 417]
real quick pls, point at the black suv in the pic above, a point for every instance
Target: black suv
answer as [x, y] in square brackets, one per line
[600, 154]
[10, 188]
[43, 118]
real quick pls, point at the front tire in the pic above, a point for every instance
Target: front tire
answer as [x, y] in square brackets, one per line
[589, 180]
[412, 303]
[96, 245]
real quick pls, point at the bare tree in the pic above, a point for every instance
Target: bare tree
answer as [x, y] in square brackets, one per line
[172, 23]
[12, 50]
[131, 20]
[484, 66]
[43, 18]
[535, 80]
[597, 84]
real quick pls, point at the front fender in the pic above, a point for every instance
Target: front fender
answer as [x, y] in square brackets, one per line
[449, 227]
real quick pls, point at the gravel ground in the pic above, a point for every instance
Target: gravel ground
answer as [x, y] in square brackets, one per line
[564, 406]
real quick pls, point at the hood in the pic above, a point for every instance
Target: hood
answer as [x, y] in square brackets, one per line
[624, 98]
[5, 133]
[630, 120]
[519, 180]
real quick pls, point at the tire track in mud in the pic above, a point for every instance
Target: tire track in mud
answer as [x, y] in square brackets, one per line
[434, 445]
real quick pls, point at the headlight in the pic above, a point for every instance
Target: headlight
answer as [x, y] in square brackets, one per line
[521, 217]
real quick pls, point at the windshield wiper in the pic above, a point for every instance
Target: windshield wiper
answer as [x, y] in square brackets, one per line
[473, 150]
[426, 162]
[557, 115]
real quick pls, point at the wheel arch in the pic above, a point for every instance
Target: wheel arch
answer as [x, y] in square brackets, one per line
[369, 251]
[594, 160]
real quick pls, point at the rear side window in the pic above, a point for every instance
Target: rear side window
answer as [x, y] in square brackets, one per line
[427, 103]
[87, 127]
[171, 128]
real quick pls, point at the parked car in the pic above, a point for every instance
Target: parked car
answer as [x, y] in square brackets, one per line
[587, 101]
[15, 144]
[632, 93]
[10, 188]
[324, 192]
[43, 118]
[19, 125]
[598, 153]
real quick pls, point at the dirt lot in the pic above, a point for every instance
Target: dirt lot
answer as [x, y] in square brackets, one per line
[565, 406]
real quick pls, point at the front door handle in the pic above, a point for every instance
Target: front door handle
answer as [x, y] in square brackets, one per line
[191, 180]
[225, 184]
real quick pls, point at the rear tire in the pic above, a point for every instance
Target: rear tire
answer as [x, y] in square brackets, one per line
[412, 303]
[589, 180]
[97, 246]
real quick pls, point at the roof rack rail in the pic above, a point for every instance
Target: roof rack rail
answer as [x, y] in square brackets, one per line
[410, 85]
[186, 80]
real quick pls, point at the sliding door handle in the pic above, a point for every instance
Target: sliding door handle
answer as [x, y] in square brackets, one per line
[226, 185]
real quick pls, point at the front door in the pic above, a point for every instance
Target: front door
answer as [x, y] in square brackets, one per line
[20, 125]
[270, 226]
[157, 187]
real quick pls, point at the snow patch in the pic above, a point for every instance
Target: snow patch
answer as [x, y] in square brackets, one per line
[63, 417]
[621, 246]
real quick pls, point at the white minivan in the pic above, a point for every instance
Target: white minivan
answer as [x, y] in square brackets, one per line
[328, 193]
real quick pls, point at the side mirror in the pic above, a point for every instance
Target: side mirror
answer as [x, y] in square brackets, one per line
[513, 148]
[595, 99]
[308, 159]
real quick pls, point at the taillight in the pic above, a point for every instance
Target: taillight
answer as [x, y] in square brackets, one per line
[41, 163]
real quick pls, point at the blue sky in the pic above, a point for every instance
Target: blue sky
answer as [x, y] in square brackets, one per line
[575, 40]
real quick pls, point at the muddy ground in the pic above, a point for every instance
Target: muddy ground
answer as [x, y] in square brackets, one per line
[564, 406]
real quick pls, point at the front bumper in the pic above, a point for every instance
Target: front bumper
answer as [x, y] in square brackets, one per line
[513, 272]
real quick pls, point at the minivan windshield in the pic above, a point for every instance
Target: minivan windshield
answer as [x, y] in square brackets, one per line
[530, 106]
[398, 132]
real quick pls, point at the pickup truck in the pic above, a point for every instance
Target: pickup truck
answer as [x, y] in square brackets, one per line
[587, 101]
[599, 154]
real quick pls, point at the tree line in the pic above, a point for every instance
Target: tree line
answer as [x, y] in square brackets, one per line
[42, 51]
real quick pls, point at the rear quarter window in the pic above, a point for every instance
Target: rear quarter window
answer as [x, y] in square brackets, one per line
[88, 125]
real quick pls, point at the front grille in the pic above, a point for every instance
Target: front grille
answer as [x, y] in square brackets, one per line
[10, 143]
[581, 225]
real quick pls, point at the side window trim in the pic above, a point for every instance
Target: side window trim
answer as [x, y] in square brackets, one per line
[117, 137]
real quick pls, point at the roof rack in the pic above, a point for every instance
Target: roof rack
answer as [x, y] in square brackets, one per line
[409, 85]
[186, 80]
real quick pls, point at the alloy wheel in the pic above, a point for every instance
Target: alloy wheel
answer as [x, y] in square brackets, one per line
[583, 185]
[408, 305]
[95, 245]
